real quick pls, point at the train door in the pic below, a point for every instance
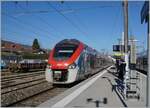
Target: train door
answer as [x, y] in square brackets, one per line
[81, 65]
[88, 63]
[85, 61]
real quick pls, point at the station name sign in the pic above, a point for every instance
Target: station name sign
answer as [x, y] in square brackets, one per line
[118, 48]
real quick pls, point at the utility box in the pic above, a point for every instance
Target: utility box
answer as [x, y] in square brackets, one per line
[132, 54]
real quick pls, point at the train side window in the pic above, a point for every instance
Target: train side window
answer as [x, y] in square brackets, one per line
[144, 61]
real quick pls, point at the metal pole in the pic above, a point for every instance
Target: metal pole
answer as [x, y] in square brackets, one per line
[125, 7]
[148, 71]
[119, 43]
[126, 25]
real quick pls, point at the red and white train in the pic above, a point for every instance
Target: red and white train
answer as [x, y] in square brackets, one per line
[71, 60]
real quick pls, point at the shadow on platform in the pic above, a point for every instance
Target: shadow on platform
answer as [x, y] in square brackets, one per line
[118, 87]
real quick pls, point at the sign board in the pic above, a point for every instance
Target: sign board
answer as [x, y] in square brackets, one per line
[118, 47]
[133, 53]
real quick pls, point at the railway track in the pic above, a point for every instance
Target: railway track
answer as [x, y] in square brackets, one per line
[28, 90]
[30, 95]
[21, 79]
[19, 76]
[23, 85]
[13, 94]
[16, 89]
[39, 98]
[10, 98]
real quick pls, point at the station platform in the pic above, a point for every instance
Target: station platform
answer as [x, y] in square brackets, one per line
[101, 85]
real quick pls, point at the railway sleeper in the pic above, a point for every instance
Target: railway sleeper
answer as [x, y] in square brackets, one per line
[13, 97]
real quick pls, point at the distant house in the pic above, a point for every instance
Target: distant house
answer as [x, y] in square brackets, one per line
[7, 46]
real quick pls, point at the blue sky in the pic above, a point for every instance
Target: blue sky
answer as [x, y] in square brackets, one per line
[96, 23]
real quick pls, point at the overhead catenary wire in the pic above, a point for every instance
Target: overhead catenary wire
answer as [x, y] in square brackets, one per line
[78, 20]
[51, 26]
[31, 25]
[67, 19]
[116, 21]
[61, 10]
[24, 25]
[46, 23]
[28, 25]
[76, 17]
[71, 22]
[74, 24]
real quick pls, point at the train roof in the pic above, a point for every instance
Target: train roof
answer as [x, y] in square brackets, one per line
[70, 42]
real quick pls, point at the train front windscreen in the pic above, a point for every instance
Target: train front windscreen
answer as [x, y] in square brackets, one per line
[64, 52]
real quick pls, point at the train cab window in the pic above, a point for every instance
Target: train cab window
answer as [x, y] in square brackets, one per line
[63, 53]
[65, 49]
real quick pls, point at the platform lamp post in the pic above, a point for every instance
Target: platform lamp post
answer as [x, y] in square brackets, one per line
[126, 56]
[145, 13]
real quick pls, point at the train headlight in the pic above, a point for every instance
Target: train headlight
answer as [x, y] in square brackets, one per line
[48, 66]
[72, 66]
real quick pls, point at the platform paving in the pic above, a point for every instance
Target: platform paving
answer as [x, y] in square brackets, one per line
[104, 84]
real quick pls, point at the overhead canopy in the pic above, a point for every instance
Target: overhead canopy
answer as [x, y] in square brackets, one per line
[144, 12]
